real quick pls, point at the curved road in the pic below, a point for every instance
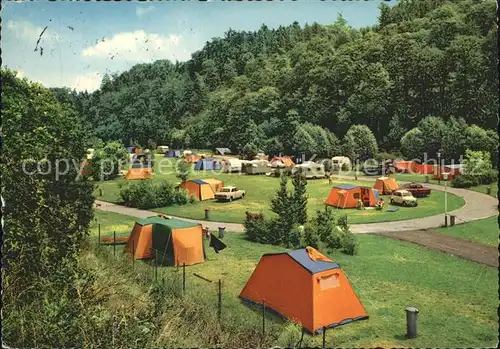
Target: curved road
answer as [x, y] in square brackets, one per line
[477, 206]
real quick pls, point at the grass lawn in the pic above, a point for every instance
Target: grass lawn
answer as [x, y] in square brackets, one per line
[457, 299]
[260, 190]
[484, 231]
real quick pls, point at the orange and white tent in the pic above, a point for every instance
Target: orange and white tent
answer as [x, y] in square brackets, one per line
[321, 294]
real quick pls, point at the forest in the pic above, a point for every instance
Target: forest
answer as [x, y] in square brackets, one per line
[428, 64]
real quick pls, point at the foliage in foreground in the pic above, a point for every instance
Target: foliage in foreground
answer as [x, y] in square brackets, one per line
[152, 194]
[46, 217]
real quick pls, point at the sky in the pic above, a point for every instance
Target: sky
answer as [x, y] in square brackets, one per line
[85, 40]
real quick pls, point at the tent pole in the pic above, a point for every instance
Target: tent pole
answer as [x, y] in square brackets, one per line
[220, 300]
[114, 243]
[133, 254]
[99, 234]
[324, 337]
[184, 278]
[263, 318]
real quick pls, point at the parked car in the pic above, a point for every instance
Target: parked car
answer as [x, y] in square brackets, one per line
[229, 194]
[417, 190]
[403, 197]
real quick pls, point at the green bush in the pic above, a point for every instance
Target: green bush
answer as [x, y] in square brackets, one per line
[148, 194]
[464, 181]
[256, 230]
[489, 177]
[349, 244]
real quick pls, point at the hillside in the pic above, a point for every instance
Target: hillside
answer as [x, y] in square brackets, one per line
[425, 58]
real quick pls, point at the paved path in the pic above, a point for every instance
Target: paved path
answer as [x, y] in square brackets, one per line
[477, 206]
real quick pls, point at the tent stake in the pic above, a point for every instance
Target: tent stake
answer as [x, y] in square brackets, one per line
[324, 337]
[263, 318]
[184, 277]
[99, 234]
[133, 254]
[220, 300]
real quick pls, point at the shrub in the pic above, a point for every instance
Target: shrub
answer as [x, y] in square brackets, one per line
[149, 194]
[309, 237]
[256, 230]
[349, 243]
[464, 181]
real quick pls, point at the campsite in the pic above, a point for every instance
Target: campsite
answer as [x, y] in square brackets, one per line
[250, 175]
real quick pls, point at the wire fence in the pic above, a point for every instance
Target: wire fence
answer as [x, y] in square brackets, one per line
[164, 266]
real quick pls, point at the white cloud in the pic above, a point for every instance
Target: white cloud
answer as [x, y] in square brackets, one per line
[88, 82]
[25, 30]
[141, 10]
[139, 46]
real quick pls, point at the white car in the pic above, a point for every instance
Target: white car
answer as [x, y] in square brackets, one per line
[403, 197]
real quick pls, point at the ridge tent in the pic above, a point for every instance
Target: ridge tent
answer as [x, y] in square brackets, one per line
[285, 160]
[138, 173]
[385, 185]
[452, 170]
[192, 158]
[426, 169]
[172, 241]
[207, 164]
[347, 196]
[202, 189]
[405, 166]
[173, 153]
[322, 295]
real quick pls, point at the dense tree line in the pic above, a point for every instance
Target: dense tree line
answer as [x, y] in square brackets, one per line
[299, 89]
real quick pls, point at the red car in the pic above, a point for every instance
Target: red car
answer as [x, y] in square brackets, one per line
[416, 189]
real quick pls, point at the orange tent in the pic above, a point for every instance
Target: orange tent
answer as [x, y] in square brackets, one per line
[321, 297]
[202, 189]
[347, 196]
[406, 166]
[285, 160]
[425, 168]
[139, 173]
[191, 158]
[170, 241]
[386, 185]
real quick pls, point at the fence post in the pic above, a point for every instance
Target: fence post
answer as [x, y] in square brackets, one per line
[184, 277]
[114, 243]
[263, 318]
[99, 234]
[220, 301]
[324, 337]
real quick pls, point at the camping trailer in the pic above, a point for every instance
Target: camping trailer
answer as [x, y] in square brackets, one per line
[311, 170]
[162, 149]
[340, 161]
[256, 167]
[232, 165]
